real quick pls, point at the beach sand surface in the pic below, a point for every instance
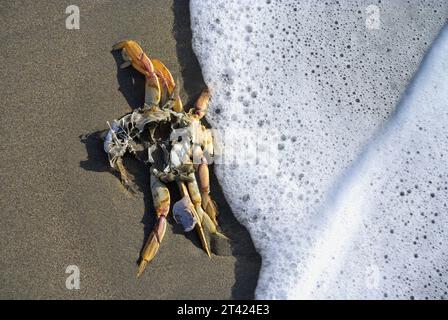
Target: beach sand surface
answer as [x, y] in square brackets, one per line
[61, 205]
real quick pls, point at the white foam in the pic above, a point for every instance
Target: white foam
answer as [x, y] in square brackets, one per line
[314, 82]
[386, 233]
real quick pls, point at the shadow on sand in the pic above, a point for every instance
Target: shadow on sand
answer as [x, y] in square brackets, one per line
[131, 83]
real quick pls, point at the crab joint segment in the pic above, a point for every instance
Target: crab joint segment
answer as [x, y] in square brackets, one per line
[161, 199]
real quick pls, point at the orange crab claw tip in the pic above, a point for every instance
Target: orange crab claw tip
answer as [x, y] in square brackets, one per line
[141, 268]
[207, 249]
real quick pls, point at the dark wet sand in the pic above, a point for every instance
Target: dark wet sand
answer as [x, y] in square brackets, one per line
[60, 203]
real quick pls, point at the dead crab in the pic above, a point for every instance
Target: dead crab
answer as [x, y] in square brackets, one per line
[174, 143]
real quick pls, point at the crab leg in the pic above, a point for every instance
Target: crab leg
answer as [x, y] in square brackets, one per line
[133, 53]
[200, 155]
[206, 154]
[199, 226]
[206, 141]
[161, 199]
[195, 196]
[207, 202]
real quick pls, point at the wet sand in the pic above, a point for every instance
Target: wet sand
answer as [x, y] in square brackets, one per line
[61, 205]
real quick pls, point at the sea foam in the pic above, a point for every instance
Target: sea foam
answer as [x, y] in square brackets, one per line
[347, 195]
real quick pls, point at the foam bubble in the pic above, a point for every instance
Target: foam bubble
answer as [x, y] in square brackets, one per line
[307, 85]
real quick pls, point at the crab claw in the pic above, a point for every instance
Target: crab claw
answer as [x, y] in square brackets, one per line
[166, 80]
[133, 53]
[153, 244]
[169, 89]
